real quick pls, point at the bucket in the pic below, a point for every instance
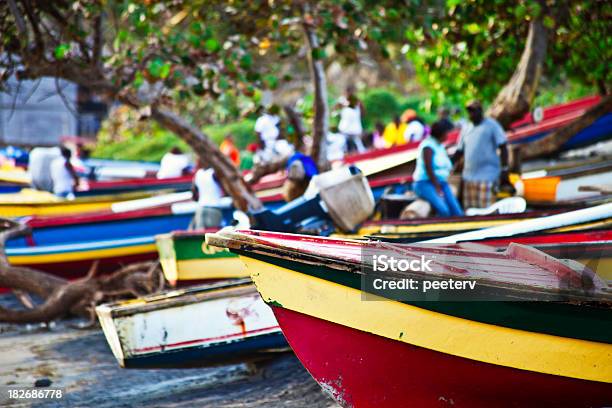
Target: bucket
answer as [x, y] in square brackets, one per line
[349, 202]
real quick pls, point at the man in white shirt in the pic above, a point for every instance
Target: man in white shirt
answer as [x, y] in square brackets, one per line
[207, 193]
[64, 176]
[415, 130]
[173, 164]
[39, 167]
[350, 123]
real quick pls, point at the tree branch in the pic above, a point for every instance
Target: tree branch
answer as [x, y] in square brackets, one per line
[321, 108]
[19, 21]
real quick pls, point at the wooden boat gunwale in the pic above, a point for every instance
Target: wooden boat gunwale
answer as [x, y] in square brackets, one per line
[243, 244]
[181, 297]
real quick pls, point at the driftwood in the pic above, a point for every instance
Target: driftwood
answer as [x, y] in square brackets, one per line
[61, 297]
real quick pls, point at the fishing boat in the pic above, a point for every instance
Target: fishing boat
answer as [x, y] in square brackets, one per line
[199, 326]
[99, 226]
[186, 259]
[412, 230]
[562, 185]
[74, 260]
[503, 344]
[151, 184]
[32, 202]
[68, 246]
[399, 160]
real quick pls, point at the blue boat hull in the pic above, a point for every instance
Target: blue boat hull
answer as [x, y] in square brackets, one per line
[101, 231]
[225, 353]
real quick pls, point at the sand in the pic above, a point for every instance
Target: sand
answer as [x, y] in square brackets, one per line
[80, 362]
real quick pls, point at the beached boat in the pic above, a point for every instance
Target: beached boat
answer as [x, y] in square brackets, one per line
[399, 160]
[500, 345]
[74, 260]
[68, 245]
[151, 184]
[563, 185]
[199, 326]
[186, 259]
[98, 226]
[31, 202]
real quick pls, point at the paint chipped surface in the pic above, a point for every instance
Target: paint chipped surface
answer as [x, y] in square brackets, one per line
[334, 389]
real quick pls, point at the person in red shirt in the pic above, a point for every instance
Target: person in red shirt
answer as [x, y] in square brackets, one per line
[229, 149]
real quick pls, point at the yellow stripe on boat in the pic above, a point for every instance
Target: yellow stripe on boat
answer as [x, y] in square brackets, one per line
[430, 227]
[213, 268]
[483, 342]
[25, 210]
[81, 255]
[32, 202]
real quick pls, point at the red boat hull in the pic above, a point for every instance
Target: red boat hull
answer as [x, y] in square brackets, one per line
[361, 369]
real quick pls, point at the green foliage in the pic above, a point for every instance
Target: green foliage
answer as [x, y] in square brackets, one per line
[242, 131]
[380, 106]
[470, 49]
[124, 137]
[561, 92]
[149, 146]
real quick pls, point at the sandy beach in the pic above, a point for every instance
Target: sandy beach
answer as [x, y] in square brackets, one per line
[80, 362]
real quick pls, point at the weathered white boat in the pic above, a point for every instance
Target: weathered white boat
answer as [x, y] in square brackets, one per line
[193, 327]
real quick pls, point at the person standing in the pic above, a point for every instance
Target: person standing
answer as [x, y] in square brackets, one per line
[444, 117]
[173, 164]
[350, 123]
[431, 173]
[483, 167]
[63, 174]
[207, 193]
[266, 127]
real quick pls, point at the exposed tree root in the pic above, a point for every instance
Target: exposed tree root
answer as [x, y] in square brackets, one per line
[61, 297]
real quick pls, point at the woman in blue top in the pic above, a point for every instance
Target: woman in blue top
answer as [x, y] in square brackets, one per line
[433, 167]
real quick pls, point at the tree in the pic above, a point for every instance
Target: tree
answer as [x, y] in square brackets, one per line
[322, 30]
[472, 49]
[142, 54]
[153, 55]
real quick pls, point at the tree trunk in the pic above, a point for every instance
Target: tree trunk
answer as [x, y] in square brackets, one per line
[296, 123]
[515, 99]
[321, 108]
[551, 143]
[264, 169]
[225, 171]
